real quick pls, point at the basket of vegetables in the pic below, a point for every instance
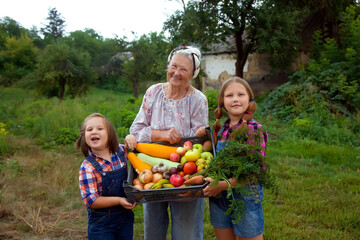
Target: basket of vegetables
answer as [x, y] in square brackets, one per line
[161, 172]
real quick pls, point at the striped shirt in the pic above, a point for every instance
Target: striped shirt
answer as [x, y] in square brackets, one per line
[90, 180]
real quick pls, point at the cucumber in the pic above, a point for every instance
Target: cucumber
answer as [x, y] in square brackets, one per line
[152, 161]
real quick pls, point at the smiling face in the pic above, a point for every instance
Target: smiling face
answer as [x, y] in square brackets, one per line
[96, 134]
[236, 100]
[180, 71]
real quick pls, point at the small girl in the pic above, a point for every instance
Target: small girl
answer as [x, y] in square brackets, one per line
[101, 177]
[237, 98]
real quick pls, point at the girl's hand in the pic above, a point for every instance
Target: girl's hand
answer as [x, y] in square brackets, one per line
[130, 141]
[211, 191]
[126, 204]
[200, 132]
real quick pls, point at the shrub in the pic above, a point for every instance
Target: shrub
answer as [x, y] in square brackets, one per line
[212, 95]
[325, 92]
[4, 146]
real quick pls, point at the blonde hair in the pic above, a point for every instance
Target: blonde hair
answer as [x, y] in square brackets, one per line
[113, 142]
[248, 114]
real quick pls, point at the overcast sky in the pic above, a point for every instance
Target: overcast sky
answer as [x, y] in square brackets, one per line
[107, 17]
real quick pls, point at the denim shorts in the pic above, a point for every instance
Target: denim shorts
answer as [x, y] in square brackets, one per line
[252, 223]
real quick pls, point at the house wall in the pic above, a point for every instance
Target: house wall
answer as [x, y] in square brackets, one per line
[220, 67]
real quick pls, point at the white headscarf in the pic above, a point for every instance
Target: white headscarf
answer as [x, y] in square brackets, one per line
[193, 53]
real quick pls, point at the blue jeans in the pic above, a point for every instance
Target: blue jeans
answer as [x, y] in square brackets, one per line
[110, 225]
[187, 218]
[252, 224]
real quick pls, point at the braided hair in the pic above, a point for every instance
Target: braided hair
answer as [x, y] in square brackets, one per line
[248, 114]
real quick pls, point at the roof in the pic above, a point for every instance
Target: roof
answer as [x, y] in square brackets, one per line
[227, 46]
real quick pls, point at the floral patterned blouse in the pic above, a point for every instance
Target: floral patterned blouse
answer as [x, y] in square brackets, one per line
[158, 112]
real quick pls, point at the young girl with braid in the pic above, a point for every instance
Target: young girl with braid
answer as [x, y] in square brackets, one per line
[237, 99]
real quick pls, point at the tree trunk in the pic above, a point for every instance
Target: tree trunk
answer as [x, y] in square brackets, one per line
[62, 88]
[239, 65]
[136, 81]
[198, 83]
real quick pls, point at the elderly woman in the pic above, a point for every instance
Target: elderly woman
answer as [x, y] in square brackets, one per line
[169, 112]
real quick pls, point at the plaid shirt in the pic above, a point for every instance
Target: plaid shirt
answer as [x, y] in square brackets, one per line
[253, 125]
[90, 180]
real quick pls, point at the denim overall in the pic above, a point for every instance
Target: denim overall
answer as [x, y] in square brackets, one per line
[252, 224]
[114, 222]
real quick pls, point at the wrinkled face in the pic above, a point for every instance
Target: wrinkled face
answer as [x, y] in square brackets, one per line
[96, 135]
[180, 71]
[236, 99]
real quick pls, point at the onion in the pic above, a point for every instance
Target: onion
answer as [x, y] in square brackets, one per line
[148, 185]
[157, 177]
[139, 186]
[136, 181]
[145, 176]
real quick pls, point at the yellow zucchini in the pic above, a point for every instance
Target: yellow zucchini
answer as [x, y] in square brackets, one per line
[156, 150]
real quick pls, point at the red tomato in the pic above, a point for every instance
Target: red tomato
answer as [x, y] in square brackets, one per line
[189, 168]
[181, 173]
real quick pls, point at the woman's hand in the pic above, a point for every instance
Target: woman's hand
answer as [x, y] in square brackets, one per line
[130, 141]
[211, 191]
[172, 136]
[126, 204]
[200, 132]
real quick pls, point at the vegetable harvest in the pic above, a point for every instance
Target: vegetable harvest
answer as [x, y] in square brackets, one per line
[156, 150]
[138, 165]
[245, 163]
[196, 180]
[152, 161]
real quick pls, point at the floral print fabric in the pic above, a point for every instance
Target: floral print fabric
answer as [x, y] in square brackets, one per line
[158, 112]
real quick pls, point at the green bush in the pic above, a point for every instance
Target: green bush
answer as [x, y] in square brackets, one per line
[4, 146]
[318, 98]
[211, 96]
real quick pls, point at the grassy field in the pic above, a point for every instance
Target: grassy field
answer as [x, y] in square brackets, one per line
[319, 184]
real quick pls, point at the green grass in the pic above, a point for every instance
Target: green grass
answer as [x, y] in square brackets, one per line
[319, 184]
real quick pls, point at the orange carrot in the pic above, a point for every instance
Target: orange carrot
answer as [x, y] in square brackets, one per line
[197, 180]
[138, 165]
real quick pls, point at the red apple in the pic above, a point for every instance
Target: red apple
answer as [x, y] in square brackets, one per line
[176, 180]
[174, 157]
[181, 151]
[187, 145]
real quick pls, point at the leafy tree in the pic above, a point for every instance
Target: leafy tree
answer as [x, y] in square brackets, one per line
[323, 15]
[247, 22]
[62, 69]
[194, 25]
[148, 60]
[55, 27]
[17, 59]
[34, 35]
[11, 27]
[103, 53]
